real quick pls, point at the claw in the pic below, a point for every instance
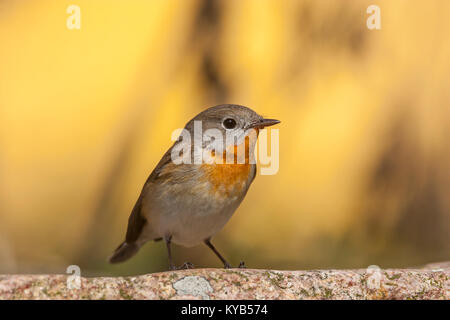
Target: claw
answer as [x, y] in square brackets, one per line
[187, 265]
[172, 267]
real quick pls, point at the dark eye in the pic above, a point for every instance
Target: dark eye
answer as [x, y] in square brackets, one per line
[229, 123]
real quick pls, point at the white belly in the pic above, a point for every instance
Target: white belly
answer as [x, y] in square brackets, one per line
[189, 217]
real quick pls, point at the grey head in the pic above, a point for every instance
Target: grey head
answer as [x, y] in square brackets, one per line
[230, 117]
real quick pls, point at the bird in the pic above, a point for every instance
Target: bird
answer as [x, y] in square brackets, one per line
[196, 187]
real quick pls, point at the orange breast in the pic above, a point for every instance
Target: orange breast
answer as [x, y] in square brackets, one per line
[229, 179]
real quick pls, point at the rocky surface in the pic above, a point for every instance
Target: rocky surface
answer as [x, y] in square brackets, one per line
[429, 282]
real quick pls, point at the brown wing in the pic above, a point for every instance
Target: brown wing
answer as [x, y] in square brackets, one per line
[137, 221]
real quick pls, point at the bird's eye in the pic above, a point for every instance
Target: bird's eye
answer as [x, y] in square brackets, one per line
[229, 123]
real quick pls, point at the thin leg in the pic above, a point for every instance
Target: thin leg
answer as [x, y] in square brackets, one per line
[169, 252]
[225, 263]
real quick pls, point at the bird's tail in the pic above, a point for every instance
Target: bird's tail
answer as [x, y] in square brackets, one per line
[124, 252]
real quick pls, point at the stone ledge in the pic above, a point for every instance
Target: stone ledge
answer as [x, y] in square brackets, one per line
[429, 282]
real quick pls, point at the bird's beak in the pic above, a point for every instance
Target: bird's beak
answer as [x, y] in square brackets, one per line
[263, 123]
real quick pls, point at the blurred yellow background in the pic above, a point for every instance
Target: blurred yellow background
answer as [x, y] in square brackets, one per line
[86, 114]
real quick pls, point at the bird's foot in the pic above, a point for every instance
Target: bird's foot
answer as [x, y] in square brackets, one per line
[186, 266]
[172, 267]
[241, 265]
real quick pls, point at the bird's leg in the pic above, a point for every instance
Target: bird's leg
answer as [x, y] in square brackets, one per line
[226, 265]
[169, 252]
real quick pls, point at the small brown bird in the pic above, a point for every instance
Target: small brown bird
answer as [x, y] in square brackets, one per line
[189, 201]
